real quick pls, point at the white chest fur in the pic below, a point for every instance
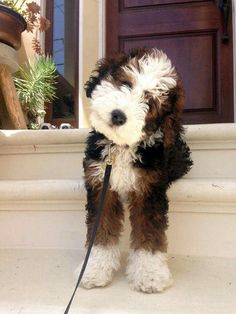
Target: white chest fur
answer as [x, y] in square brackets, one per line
[123, 176]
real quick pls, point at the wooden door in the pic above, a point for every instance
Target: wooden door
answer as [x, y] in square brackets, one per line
[190, 32]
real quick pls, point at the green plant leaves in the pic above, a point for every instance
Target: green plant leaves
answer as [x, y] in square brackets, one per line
[35, 84]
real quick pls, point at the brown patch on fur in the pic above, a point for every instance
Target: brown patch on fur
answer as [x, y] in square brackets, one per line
[111, 223]
[148, 225]
[146, 179]
[146, 216]
[111, 66]
[121, 78]
[169, 132]
[165, 112]
[112, 215]
[153, 114]
[172, 124]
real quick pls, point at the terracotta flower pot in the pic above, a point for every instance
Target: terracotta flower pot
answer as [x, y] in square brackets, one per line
[12, 24]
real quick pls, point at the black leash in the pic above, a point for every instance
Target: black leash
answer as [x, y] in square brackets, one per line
[96, 224]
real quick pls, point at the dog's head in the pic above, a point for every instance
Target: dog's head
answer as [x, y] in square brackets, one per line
[135, 96]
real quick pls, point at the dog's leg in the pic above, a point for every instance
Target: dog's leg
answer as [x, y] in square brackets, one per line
[105, 255]
[147, 268]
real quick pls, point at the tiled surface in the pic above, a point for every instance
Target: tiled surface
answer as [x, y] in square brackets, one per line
[41, 281]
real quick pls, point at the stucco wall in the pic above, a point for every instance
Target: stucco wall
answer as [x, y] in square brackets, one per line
[89, 49]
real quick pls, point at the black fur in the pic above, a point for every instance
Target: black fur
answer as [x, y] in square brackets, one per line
[173, 162]
[93, 149]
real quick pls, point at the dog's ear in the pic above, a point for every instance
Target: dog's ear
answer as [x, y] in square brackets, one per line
[172, 110]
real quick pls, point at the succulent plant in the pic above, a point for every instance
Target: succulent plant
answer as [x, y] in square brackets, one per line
[35, 85]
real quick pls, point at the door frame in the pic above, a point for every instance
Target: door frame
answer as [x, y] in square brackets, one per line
[234, 52]
[47, 43]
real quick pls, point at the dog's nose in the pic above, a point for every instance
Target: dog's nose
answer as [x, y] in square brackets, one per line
[118, 117]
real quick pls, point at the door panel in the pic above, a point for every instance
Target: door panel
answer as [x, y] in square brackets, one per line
[137, 3]
[201, 61]
[190, 32]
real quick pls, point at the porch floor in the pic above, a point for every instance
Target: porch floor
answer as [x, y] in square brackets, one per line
[41, 281]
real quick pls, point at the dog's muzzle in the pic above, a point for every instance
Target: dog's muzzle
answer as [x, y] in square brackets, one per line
[118, 117]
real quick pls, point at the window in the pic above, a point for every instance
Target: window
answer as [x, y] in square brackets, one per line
[62, 44]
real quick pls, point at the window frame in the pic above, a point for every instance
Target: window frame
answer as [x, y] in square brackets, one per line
[49, 50]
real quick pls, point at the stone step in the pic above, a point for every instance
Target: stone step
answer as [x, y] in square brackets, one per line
[210, 195]
[51, 154]
[42, 196]
[41, 281]
[50, 214]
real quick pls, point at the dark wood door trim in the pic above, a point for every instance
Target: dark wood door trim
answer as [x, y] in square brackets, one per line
[112, 27]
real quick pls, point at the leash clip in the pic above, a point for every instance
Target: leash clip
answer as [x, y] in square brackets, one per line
[109, 157]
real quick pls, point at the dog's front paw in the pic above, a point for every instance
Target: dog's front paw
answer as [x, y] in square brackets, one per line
[148, 272]
[102, 264]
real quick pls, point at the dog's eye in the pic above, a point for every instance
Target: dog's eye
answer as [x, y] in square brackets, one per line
[126, 83]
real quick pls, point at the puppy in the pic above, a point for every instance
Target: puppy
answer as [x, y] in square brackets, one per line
[136, 102]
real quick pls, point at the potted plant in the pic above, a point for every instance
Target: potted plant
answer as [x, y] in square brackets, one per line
[12, 25]
[35, 85]
[17, 16]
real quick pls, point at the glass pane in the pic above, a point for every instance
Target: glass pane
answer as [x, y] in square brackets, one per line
[59, 35]
[64, 56]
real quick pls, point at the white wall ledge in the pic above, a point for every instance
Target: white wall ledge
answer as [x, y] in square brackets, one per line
[199, 132]
[41, 190]
[219, 193]
[42, 170]
[211, 132]
[43, 137]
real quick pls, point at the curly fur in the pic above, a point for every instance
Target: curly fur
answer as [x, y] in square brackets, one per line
[148, 152]
[148, 272]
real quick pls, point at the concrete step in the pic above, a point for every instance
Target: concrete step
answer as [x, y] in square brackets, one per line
[42, 196]
[210, 195]
[44, 154]
[42, 230]
[50, 214]
[50, 154]
[41, 282]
